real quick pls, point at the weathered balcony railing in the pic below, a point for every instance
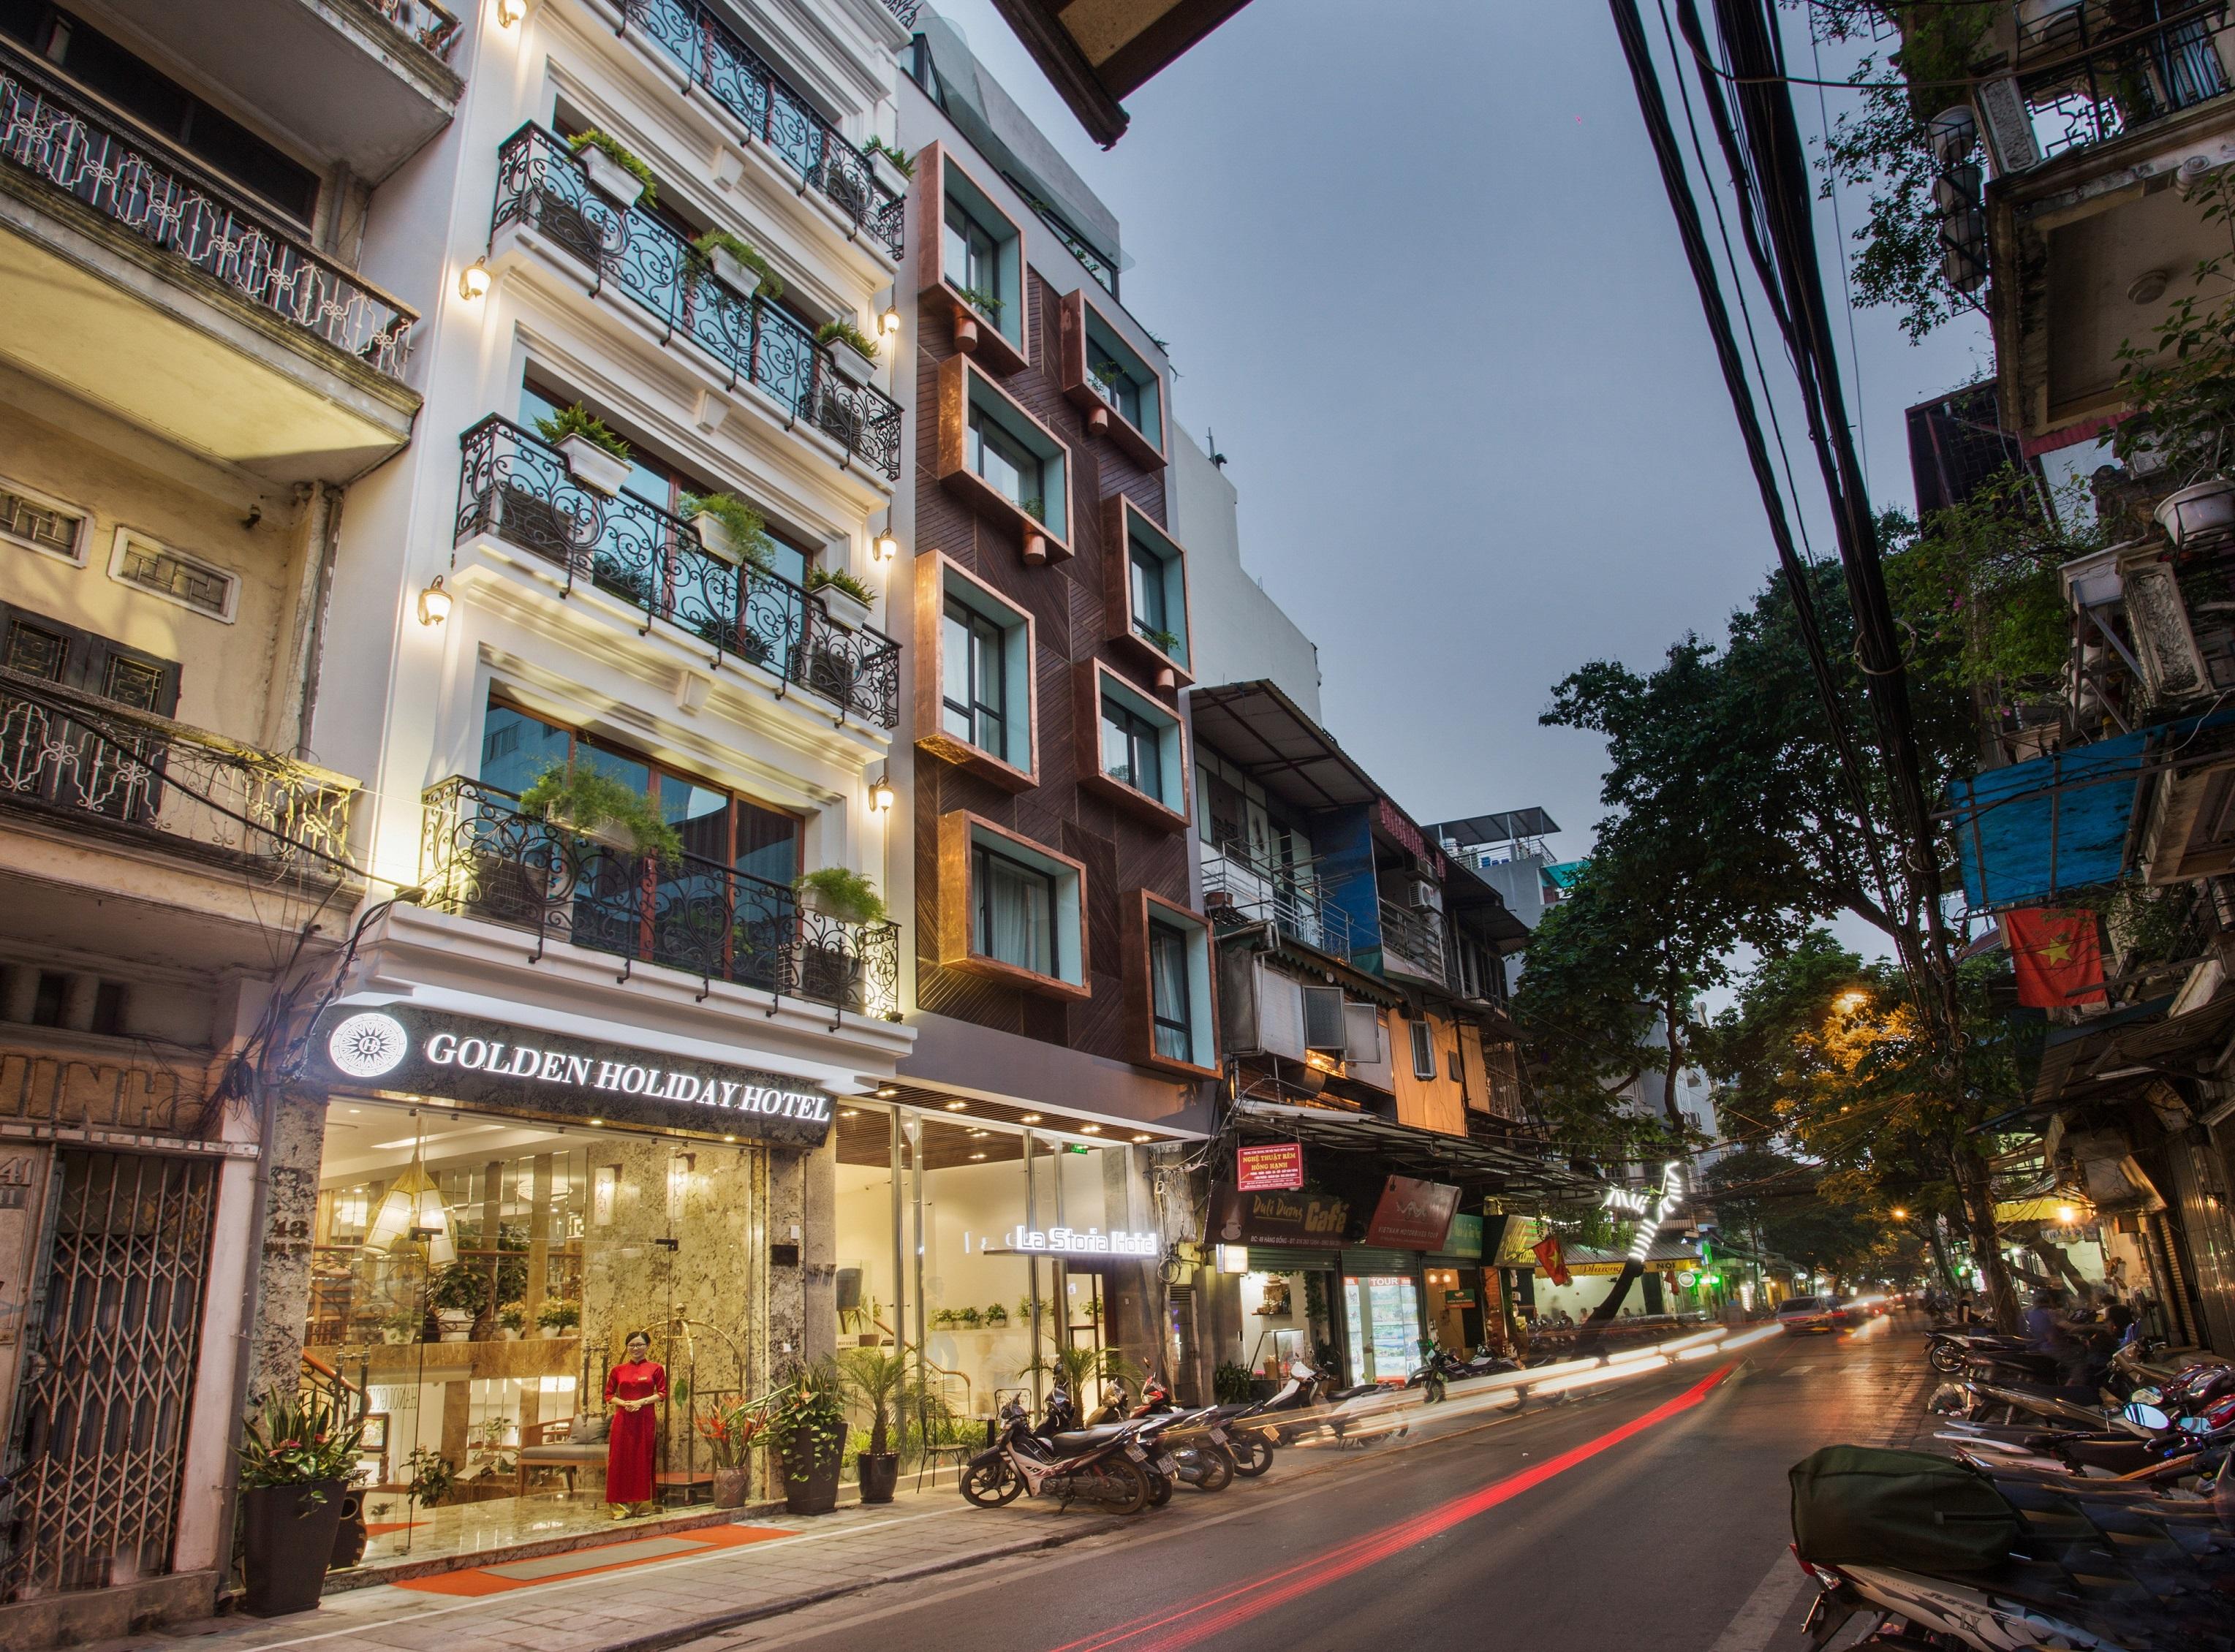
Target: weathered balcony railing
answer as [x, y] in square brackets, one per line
[540, 185]
[425, 22]
[1295, 903]
[2092, 69]
[55, 134]
[518, 488]
[481, 858]
[740, 79]
[82, 761]
[1413, 938]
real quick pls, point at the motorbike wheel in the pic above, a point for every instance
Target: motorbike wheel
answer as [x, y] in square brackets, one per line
[1217, 1469]
[1435, 1387]
[1253, 1455]
[1160, 1489]
[1945, 1357]
[1127, 1487]
[991, 1485]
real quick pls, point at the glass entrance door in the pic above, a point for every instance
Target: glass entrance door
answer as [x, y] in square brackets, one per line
[1384, 1324]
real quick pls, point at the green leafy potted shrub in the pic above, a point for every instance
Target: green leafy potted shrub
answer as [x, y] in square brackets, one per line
[1164, 642]
[738, 264]
[457, 1295]
[511, 1321]
[853, 352]
[730, 528]
[808, 1428]
[429, 1476]
[729, 1431]
[996, 1317]
[594, 455]
[889, 165]
[402, 1326]
[559, 1317]
[297, 1455]
[876, 1379]
[841, 893]
[846, 599]
[613, 171]
[575, 798]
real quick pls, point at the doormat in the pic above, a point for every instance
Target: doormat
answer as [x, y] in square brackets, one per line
[475, 1581]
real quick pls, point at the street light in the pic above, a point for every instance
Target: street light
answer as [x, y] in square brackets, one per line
[1900, 1214]
[1850, 1000]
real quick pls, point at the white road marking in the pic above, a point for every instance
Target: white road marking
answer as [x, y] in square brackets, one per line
[1797, 1370]
[1755, 1624]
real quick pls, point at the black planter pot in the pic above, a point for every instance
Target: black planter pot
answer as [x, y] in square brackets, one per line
[810, 1487]
[287, 1536]
[349, 1535]
[880, 1472]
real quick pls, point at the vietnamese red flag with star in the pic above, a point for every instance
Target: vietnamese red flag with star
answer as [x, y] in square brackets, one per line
[2059, 960]
[1552, 1258]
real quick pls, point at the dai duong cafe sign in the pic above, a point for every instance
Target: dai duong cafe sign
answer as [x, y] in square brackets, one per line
[524, 1070]
[1279, 1218]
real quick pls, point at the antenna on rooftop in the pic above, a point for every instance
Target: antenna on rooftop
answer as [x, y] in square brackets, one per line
[1216, 458]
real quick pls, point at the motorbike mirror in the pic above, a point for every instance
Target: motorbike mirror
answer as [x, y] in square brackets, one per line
[2194, 1425]
[2148, 1416]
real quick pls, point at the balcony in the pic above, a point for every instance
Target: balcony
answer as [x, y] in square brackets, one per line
[143, 284]
[541, 188]
[364, 83]
[1411, 943]
[481, 858]
[2088, 71]
[92, 769]
[1237, 889]
[517, 489]
[741, 82]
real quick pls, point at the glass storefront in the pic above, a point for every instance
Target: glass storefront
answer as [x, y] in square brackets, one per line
[1382, 1312]
[1455, 1310]
[475, 1277]
[1284, 1317]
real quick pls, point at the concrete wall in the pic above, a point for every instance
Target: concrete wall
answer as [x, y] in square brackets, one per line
[1240, 633]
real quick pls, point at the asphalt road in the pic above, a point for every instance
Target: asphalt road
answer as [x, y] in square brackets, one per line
[1651, 1517]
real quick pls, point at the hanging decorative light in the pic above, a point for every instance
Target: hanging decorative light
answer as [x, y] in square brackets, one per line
[412, 1209]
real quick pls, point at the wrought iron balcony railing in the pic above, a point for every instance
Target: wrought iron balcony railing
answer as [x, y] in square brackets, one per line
[2092, 69]
[540, 185]
[518, 488]
[88, 763]
[60, 137]
[905, 10]
[425, 22]
[739, 79]
[1414, 938]
[1293, 902]
[481, 858]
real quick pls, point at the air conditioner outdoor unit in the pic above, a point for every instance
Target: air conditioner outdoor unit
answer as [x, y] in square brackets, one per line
[1421, 892]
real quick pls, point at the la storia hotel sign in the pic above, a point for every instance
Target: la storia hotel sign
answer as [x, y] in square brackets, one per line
[518, 1069]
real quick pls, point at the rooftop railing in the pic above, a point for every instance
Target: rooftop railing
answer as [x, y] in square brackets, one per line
[61, 136]
[517, 486]
[540, 186]
[1292, 901]
[2092, 69]
[739, 79]
[480, 856]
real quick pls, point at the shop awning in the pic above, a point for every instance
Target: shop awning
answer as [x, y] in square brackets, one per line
[1591, 1261]
[2098, 1056]
[1516, 1169]
[1256, 725]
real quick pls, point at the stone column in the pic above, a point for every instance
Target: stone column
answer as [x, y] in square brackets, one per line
[818, 1252]
[290, 1204]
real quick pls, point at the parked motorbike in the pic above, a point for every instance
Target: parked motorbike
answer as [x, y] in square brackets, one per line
[1441, 1367]
[1104, 1466]
[1160, 1463]
[1201, 1434]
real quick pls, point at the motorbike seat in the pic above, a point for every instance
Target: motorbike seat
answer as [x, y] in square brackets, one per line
[1078, 1439]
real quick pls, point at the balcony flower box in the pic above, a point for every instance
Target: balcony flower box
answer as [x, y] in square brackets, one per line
[734, 274]
[2191, 514]
[853, 366]
[846, 610]
[597, 469]
[609, 177]
[889, 177]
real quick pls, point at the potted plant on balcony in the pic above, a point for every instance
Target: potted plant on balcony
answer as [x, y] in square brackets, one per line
[853, 352]
[889, 165]
[558, 1317]
[613, 171]
[594, 455]
[876, 1378]
[847, 599]
[732, 529]
[457, 1295]
[403, 1327]
[841, 893]
[511, 1321]
[808, 1430]
[574, 798]
[297, 1456]
[738, 265]
[2197, 512]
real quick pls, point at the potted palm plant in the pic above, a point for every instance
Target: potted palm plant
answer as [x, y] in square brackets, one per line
[613, 171]
[297, 1455]
[730, 528]
[841, 893]
[729, 1431]
[574, 798]
[808, 1427]
[457, 1295]
[594, 455]
[1082, 1371]
[738, 264]
[853, 352]
[876, 1378]
[846, 599]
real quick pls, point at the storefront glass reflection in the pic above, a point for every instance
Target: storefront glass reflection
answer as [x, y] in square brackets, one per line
[1384, 1323]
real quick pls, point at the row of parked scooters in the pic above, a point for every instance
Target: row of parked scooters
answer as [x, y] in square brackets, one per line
[2095, 1514]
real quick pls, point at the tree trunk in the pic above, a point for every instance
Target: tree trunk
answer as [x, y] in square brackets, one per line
[1588, 1339]
[1975, 1188]
[1941, 1265]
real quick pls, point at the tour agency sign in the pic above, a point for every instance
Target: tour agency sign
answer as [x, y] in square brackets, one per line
[524, 1070]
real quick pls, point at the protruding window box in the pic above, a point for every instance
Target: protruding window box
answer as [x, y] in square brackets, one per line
[1004, 461]
[1132, 747]
[971, 260]
[1011, 910]
[1145, 594]
[1111, 383]
[1170, 1007]
[976, 696]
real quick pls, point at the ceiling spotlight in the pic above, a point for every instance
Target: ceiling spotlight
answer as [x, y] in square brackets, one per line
[1142, 1136]
[849, 1112]
[597, 1121]
[886, 1091]
[977, 1156]
[1029, 1118]
[1090, 1129]
[958, 1106]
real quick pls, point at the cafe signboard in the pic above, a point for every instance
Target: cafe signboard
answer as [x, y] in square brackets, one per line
[1278, 1218]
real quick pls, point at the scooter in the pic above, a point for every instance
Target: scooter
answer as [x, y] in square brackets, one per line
[1102, 1466]
[1202, 1432]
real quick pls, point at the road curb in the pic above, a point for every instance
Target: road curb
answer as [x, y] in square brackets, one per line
[715, 1622]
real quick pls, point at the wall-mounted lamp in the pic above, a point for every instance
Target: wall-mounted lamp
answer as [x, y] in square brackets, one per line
[434, 604]
[473, 280]
[509, 12]
[889, 322]
[880, 792]
[884, 547]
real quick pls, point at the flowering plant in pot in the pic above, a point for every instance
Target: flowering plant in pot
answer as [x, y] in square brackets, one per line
[729, 1431]
[808, 1427]
[875, 1378]
[595, 456]
[511, 1321]
[557, 1316]
[297, 1455]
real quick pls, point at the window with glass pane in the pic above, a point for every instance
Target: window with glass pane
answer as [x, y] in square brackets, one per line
[1015, 922]
[1149, 607]
[972, 257]
[1130, 749]
[1114, 386]
[1168, 984]
[516, 747]
[1013, 469]
[1424, 1050]
[973, 689]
